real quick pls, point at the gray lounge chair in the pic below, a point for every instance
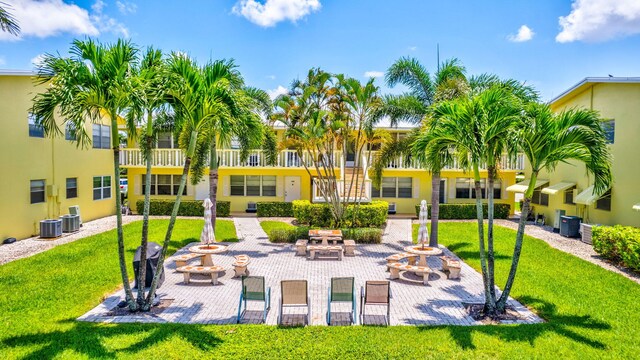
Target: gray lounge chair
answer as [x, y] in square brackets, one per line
[342, 290]
[253, 289]
[294, 293]
[375, 293]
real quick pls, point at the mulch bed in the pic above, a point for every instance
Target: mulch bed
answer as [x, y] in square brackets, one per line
[475, 311]
[155, 310]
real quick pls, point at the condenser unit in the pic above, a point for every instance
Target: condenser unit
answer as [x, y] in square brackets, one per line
[70, 223]
[50, 228]
[392, 208]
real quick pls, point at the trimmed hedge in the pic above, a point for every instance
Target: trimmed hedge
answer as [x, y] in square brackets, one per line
[467, 211]
[373, 214]
[359, 235]
[187, 208]
[274, 209]
[618, 243]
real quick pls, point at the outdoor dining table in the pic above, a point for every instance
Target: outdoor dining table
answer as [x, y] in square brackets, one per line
[207, 251]
[325, 235]
[423, 253]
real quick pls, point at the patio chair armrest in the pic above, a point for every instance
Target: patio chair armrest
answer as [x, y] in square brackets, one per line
[390, 293]
[269, 297]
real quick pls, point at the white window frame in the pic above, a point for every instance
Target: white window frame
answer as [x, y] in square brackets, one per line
[101, 131]
[35, 130]
[380, 192]
[175, 183]
[262, 186]
[102, 187]
[67, 188]
[43, 191]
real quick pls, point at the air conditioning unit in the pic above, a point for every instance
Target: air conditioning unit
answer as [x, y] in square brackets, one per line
[252, 207]
[570, 226]
[70, 223]
[392, 208]
[50, 228]
[75, 210]
[585, 229]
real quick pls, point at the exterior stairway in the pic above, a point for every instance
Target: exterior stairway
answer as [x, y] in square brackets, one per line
[354, 179]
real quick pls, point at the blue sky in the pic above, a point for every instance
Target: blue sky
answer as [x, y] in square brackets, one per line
[275, 41]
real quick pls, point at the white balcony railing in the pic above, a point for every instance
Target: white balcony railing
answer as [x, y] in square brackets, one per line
[400, 163]
[230, 158]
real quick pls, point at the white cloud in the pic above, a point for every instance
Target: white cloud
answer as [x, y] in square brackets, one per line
[46, 18]
[270, 12]
[412, 48]
[274, 93]
[373, 74]
[37, 59]
[126, 7]
[271, 77]
[600, 20]
[524, 34]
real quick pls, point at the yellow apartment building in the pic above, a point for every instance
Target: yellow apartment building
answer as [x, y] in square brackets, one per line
[44, 176]
[254, 181]
[568, 188]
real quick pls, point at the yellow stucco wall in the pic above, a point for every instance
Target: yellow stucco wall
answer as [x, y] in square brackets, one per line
[27, 158]
[620, 102]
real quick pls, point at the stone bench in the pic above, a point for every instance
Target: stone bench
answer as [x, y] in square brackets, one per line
[451, 266]
[240, 265]
[349, 248]
[206, 270]
[301, 247]
[396, 267]
[183, 259]
[395, 258]
[315, 249]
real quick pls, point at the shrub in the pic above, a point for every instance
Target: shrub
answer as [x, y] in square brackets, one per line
[359, 235]
[274, 209]
[467, 211]
[373, 214]
[618, 243]
[187, 208]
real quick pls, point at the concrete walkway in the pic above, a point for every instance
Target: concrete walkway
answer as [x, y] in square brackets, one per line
[439, 303]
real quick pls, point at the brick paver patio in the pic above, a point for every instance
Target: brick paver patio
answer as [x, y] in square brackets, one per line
[439, 303]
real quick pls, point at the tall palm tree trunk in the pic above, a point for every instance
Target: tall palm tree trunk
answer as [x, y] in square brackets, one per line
[172, 220]
[435, 208]
[489, 304]
[133, 306]
[517, 249]
[491, 174]
[142, 270]
[213, 183]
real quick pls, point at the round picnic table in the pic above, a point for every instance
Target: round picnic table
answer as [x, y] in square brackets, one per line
[325, 236]
[423, 252]
[208, 250]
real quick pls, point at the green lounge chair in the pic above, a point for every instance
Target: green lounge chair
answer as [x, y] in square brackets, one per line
[253, 289]
[342, 289]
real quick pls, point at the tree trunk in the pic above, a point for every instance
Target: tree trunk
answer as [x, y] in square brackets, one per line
[489, 304]
[517, 249]
[142, 270]
[172, 220]
[435, 208]
[213, 182]
[133, 306]
[491, 174]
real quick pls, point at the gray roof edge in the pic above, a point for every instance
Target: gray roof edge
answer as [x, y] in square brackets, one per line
[595, 80]
[8, 72]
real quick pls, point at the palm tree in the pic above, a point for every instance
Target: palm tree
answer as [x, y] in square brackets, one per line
[198, 96]
[92, 83]
[547, 139]
[147, 100]
[7, 22]
[449, 82]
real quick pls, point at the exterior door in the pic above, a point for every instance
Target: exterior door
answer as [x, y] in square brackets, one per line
[291, 188]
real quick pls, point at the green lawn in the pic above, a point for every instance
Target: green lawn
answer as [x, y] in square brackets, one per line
[590, 312]
[267, 226]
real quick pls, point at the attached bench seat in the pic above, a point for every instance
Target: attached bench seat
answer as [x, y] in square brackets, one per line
[207, 270]
[240, 265]
[183, 259]
[401, 256]
[451, 266]
[423, 271]
[315, 249]
[349, 248]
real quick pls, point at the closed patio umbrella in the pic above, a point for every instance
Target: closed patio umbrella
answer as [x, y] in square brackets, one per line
[423, 234]
[207, 235]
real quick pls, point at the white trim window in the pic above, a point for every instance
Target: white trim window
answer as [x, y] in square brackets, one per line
[101, 187]
[539, 198]
[35, 130]
[252, 185]
[164, 184]
[70, 131]
[72, 188]
[101, 136]
[394, 187]
[36, 190]
[466, 188]
[604, 203]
